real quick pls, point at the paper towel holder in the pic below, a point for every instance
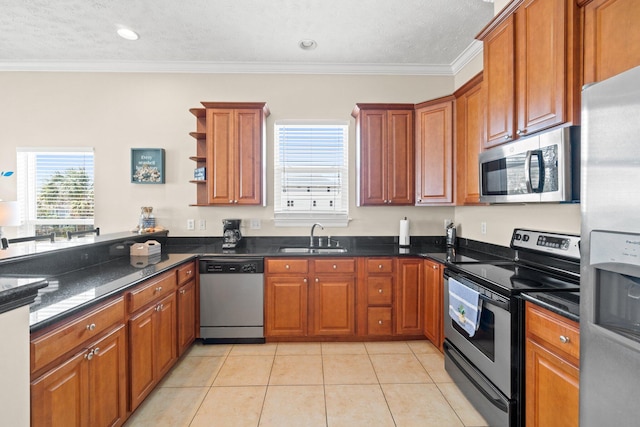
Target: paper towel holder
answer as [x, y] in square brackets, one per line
[404, 240]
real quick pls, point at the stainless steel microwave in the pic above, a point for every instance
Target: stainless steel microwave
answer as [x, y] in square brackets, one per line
[540, 168]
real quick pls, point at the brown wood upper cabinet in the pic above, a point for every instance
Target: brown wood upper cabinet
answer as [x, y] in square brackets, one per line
[434, 151]
[469, 128]
[234, 136]
[611, 38]
[385, 154]
[530, 69]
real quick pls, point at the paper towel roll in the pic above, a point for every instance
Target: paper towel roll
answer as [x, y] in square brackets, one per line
[404, 239]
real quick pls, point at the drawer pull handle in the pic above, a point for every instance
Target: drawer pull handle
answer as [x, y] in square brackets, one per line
[287, 266]
[564, 340]
[97, 349]
[182, 292]
[379, 266]
[379, 291]
[379, 322]
[335, 266]
[91, 327]
[189, 273]
[159, 288]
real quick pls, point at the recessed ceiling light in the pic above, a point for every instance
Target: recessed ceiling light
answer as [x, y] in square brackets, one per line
[128, 34]
[307, 44]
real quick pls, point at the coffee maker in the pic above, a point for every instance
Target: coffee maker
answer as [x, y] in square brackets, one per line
[231, 235]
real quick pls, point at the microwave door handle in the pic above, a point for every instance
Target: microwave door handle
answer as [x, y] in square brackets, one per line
[538, 154]
[527, 171]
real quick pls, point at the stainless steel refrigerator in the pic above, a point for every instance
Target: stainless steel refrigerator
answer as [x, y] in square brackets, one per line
[610, 243]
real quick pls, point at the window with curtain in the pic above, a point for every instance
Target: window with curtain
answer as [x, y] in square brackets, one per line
[55, 190]
[311, 173]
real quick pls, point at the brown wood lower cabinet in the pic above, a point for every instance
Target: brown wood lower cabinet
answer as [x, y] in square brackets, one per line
[153, 350]
[87, 389]
[433, 303]
[408, 307]
[334, 305]
[186, 316]
[286, 306]
[552, 368]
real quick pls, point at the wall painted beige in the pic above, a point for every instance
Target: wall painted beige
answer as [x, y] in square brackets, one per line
[115, 112]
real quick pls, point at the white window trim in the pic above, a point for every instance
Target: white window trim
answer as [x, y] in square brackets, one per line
[301, 219]
[27, 188]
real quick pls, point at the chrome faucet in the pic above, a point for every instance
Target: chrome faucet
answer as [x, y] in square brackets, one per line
[313, 227]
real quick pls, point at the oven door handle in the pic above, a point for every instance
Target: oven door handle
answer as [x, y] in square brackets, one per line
[495, 401]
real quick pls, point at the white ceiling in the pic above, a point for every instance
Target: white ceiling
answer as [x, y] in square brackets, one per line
[353, 36]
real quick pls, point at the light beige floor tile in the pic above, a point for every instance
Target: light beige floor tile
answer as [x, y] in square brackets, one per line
[419, 405]
[193, 372]
[399, 368]
[199, 349]
[434, 364]
[231, 407]
[296, 370]
[343, 348]
[301, 348]
[465, 410]
[253, 349]
[245, 370]
[348, 369]
[423, 347]
[294, 406]
[170, 407]
[390, 347]
[357, 405]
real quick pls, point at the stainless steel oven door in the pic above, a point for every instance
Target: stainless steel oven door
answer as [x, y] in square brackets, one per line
[489, 350]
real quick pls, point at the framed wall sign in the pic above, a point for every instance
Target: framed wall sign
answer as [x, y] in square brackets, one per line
[147, 165]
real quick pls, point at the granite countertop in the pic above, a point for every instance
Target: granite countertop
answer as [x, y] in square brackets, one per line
[75, 291]
[16, 291]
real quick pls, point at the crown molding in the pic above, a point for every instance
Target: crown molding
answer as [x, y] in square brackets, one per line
[245, 67]
[467, 55]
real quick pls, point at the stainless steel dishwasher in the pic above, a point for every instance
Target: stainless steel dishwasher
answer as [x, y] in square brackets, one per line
[232, 300]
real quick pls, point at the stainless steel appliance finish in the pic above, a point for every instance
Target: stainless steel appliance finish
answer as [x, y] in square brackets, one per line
[539, 168]
[232, 300]
[610, 296]
[488, 367]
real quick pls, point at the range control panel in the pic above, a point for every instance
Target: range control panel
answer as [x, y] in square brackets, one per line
[566, 245]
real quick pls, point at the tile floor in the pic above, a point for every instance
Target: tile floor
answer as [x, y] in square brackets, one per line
[308, 384]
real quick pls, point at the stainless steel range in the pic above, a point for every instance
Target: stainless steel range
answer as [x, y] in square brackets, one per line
[484, 350]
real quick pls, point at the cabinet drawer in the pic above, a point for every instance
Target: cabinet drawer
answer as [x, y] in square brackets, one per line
[379, 321]
[379, 265]
[287, 266]
[151, 291]
[556, 332]
[335, 265]
[186, 272]
[379, 290]
[72, 334]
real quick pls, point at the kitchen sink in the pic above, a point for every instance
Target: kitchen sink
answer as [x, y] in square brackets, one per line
[327, 250]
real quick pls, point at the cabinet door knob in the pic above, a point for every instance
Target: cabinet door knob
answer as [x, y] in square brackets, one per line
[564, 340]
[379, 266]
[317, 280]
[521, 131]
[182, 292]
[379, 322]
[159, 288]
[189, 272]
[379, 291]
[91, 327]
[304, 280]
[435, 267]
[287, 266]
[507, 137]
[89, 355]
[96, 350]
[335, 266]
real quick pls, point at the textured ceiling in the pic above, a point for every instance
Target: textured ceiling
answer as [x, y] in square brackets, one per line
[417, 36]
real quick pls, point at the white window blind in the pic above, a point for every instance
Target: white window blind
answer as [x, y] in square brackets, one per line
[311, 173]
[55, 189]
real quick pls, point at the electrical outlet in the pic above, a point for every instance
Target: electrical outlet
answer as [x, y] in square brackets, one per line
[191, 224]
[255, 224]
[202, 224]
[483, 228]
